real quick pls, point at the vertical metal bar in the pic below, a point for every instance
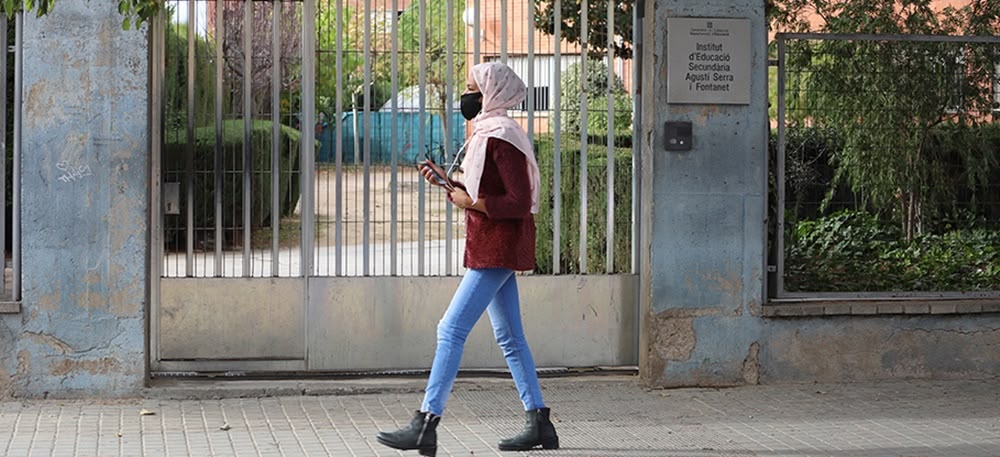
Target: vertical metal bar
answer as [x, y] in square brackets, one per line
[477, 31]
[394, 142]
[189, 144]
[3, 156]
[366, 180]
[503, 31]
[779, 231]
[220, 28]
[637, 55]
[308, 142]
[276, 131]
[446, 125]
[156, 70]
[557, 138]
[421, 134]
[530, 102]
[248, 133]
[584, 98]
[339, 128]
[637, 17]
[18, 122]
[609, 236]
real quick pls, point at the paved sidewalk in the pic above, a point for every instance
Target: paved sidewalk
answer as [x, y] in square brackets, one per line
[596, 416]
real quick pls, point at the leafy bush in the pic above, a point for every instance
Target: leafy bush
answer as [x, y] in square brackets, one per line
[852, 251]
[597, 196]
[175, 84]
[597, 103]
[232, 188]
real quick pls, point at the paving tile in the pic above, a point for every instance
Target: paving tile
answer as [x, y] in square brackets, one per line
[612, 417]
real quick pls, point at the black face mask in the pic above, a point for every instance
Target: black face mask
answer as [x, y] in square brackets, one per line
[471, 105]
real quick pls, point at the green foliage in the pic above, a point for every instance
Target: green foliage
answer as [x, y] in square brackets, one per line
[175, 84]
[174, 153]
[597, 200]
[885, 98]
[597, 103]
[436, 46]
[328, 34]
[597, 25]
[134, 12]
[854, 251]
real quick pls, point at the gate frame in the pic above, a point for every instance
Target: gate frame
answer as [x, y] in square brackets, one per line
[156, 363]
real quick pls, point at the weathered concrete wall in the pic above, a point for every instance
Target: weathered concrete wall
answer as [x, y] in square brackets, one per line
[855, 348]
[703, 213]
[84, 199]
[703, 259]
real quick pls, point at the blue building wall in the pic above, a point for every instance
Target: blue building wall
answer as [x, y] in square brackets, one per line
[407, 126]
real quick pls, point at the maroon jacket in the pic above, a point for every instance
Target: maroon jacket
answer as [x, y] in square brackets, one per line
[505, 238]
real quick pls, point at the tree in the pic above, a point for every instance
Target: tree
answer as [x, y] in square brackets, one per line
[326, 57]
[597, 102]
[176, 82]
[436, 48]
[262, 59]
[886, 98]
[597, 25]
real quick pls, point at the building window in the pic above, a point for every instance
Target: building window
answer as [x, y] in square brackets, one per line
[541, 100]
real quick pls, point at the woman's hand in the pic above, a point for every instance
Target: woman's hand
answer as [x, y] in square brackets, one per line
[428, 169]
[461, 199]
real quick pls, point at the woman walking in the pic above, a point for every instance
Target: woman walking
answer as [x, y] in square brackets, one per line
[500, 194]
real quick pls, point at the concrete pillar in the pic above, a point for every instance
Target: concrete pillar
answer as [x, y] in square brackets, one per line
[84, 202]
[703, 213]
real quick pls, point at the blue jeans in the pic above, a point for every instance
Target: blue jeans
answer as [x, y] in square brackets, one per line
[493, 290]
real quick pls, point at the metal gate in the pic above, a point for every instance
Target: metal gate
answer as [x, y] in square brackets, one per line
[292, 232]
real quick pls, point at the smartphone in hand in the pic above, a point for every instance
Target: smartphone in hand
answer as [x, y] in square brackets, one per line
[439, 180]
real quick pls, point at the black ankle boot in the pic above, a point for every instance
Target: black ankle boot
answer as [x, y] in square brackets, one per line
[538, 430]
[421, 435]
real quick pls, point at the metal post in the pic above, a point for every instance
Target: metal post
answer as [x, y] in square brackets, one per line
[339, 122]
[422, 135]
[609, 251]
[557, 138]
[3, 157]
[394, 142]
[779, 231]
[189, 146]
[157, 65]
[276, 132]
[477, 32]
[637, 16]
[308, 142]
[530, 103]
[220, 59]
[446, 124]
[503, 31]
[367, 147]
[247, 133]
[584, 99]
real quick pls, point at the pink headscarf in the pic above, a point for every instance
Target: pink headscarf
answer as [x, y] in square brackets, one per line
[502, 90]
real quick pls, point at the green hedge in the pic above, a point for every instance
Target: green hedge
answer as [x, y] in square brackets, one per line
[596, 207]
[852, 251]
[232, 189]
